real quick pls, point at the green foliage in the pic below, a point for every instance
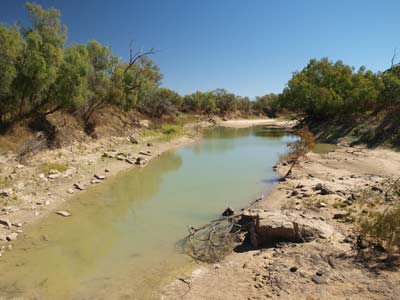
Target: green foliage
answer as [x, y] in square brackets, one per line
[391, 83]
[11, 46]
[268, 105]
[383, 227]
[71, 87]
[160, 102]
[324, 88]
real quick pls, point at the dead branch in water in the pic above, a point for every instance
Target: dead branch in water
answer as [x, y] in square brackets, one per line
[212, 241]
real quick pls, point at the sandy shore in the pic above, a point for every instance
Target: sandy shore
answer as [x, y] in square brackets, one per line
[324, 268]
[243, 123]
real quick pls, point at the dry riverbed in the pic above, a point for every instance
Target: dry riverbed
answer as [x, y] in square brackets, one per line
[324, 188]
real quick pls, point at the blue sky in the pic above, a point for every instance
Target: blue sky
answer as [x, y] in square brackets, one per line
[248, 47]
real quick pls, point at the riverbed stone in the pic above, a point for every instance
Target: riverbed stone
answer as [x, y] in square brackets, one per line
[79, 186]
[273, 226]
[64, 213]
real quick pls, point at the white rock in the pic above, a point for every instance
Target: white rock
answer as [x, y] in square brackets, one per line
[64, 213]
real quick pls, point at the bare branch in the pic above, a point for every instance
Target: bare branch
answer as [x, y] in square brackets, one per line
[135, 56]
[392, 64]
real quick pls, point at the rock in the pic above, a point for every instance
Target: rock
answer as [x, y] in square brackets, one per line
[144, 123]
[53, 172]
[53, 176]
[149, 144]
[319, 279]
[5, 223]
[70, 191]
[19, 166]
[106, 170]
[79, 186]
[228, 212]
[99, 177]
[141, 161]
[323, 189]
[272, 226]
[63, 213]
[130, 161]
[133, 139]
[12, 236]
[293, 269]
[17, 224]
[147, 153]
[340, 215]
[295, 193]
[120, 157]
[95, 181]
[7, 192]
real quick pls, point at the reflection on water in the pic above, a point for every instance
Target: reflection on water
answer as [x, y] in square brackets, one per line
[120, 241]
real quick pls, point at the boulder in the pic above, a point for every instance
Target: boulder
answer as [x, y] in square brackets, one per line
[273, 226]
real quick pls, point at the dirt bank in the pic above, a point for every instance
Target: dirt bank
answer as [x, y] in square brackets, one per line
[243, 123]
[326, 268]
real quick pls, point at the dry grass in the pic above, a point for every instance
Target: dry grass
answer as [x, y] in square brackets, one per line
[45, 168]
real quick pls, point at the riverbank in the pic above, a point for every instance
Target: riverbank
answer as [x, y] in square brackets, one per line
[36, 188]
[328, 188]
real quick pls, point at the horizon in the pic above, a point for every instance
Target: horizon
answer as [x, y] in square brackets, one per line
[250, 49]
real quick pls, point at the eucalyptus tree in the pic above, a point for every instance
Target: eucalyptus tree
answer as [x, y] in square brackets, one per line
[11, 47]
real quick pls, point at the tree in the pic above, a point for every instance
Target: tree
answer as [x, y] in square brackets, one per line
[226, 102]
[267, 105]
[71, 87]
[41, 58]
[160, 102]
[324, 88]
[101, 74]
[244, 105]
[11, 47]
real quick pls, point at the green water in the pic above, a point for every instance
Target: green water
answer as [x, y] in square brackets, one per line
[120, 242]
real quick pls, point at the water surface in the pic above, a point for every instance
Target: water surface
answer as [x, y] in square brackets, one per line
[120, 242]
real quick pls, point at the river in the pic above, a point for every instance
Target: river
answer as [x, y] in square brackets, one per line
[120, 242]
